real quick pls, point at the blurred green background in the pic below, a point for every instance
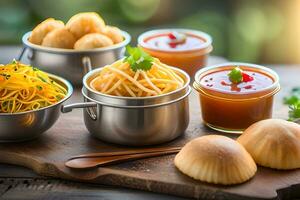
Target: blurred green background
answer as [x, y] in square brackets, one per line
[260, 31]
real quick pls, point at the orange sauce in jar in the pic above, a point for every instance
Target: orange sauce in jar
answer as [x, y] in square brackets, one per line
[232, 107]
[182, 48]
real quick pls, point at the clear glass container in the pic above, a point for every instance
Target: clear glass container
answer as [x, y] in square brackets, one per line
[233, 112]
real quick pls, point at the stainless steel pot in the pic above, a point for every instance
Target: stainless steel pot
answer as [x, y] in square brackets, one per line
[67, 63]
[28, 125]
[134, 121]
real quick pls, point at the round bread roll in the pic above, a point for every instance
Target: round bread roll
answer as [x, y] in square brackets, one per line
[273, 143]
[216, 159]
[92, 41]
[84, 23]
[59, 38]
[41, 30]
[114, 34]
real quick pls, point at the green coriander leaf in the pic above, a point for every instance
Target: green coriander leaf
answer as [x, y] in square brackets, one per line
[235, 75]
[291, 100]
[294, 112]
[129, 49]
[138, 59]
[146, 64]
[42, 79]
[39, 87]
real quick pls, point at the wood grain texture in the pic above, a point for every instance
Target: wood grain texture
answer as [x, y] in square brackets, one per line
[68, 137]
[42, 189]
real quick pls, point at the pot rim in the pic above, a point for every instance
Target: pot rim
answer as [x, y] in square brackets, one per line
[127, 39]
[207, 43]
[269, 71]
[63, 81]
[138, 106]
[94, 71]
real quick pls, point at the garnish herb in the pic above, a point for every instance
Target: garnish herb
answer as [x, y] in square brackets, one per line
[235, 75]
[138, 59]
[6, 76]
[39, 87]
[42, 79]
[293, 101]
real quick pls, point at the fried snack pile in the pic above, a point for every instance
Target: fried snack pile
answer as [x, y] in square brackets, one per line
[82, 31]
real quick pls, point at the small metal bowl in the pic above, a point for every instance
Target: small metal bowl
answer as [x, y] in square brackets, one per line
[68, 63]
[135, 121]
[27, 125]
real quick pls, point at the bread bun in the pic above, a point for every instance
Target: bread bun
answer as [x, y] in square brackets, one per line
[114, 34]
[273, 143]
[59, 38]
[92, 41]
[216, 159]
[84, 23]
[45, 27]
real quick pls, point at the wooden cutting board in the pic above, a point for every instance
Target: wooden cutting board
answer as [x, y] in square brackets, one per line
[47, 154]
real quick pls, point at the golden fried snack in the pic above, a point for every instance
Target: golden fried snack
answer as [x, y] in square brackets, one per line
[273, 143]
[59, 38]
[84, 23]
[114, 34]
[216, 159]
[41, 30]
[92, 41]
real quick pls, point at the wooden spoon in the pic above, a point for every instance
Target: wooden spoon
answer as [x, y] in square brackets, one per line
[126, 152]
[91, 162]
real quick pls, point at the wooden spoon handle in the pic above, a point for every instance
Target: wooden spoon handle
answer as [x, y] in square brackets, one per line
[91, 162]
[126, 152]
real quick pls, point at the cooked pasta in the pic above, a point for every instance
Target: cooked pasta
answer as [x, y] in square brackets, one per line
[120, 80]
[24, 88]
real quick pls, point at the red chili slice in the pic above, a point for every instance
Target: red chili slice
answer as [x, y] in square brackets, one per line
[246, 77]
[173, 45]
[171, 36]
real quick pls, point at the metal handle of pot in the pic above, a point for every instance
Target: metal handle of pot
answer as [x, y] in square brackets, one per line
[70, 107]
[87, 64]
[30, 53]
[86, 105]
[22, 53]
[87, 67]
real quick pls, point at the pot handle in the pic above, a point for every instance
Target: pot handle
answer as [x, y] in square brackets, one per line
[87, 64]
[87, 105]
[70, 107]
[22, 53]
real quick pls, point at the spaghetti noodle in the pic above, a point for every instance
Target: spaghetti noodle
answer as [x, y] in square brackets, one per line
[120, 80]
[24, 88]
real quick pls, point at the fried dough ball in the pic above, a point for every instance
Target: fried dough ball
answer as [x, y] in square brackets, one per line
[114, 34]
[42, 29]
[84, 23]
[59, 38]
[92, 41]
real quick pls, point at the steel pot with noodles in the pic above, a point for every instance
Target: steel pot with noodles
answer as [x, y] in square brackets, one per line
[135, 101]
[30, 101]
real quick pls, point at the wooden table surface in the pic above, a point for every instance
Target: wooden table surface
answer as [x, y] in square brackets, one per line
[21, 183]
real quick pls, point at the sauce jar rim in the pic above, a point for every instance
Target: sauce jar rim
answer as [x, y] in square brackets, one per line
[206, 44]
[267, 70]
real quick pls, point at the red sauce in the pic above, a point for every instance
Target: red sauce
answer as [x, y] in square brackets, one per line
[164, 42]
[232, 107]
[219, 81]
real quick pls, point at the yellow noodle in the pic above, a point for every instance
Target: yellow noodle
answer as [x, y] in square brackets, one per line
[119, 79]
[23, 88]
